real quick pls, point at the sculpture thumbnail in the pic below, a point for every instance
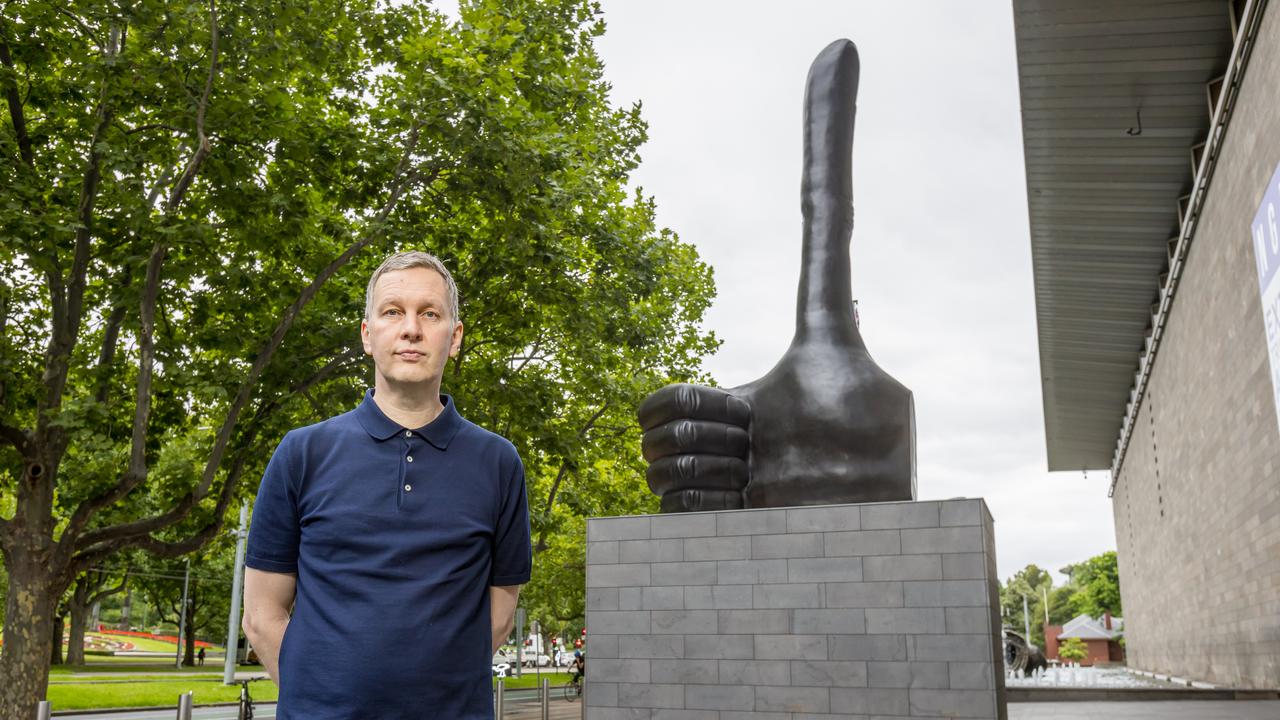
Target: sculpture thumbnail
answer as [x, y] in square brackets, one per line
[826, 424]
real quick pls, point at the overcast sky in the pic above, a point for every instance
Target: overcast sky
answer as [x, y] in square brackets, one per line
[941, 252]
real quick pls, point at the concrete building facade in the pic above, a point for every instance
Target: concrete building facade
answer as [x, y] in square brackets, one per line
[1182, 411]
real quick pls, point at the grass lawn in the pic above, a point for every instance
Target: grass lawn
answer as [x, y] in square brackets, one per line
[530, 679]
[152, 693]
[98, 665]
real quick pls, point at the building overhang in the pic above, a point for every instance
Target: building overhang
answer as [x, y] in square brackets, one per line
[1117, 100]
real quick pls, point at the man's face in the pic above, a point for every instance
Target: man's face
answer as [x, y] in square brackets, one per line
[409, 332]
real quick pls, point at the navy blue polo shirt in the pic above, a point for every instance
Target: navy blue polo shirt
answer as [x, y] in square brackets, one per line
[396, 536]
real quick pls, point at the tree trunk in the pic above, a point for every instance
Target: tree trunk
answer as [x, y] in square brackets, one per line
[75, 642]
[28, 633]
[126, 609]
[189, 653]
[56, 638]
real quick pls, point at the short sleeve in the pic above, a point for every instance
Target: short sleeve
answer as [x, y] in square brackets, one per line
[512, 550]
[274, 533]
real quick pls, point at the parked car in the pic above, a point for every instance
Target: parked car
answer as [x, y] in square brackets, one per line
[542, 659]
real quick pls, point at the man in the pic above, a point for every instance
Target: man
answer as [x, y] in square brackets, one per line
[398, 533]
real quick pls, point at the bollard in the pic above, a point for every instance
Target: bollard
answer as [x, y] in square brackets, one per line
[497, 700]
[184, 706]
[42, 710]
[546, 699]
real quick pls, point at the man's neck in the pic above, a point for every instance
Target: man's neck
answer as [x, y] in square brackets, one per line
[409, 407]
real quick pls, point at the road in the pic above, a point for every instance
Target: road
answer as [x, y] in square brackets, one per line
[519, 705]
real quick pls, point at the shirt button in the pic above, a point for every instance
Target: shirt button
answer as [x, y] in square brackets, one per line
[410, 458]
[408, 433]
[408, 488]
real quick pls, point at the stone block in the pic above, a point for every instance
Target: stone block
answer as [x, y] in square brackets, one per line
[672, 714]
[680, 573]
[907, 675]
[964, 566]
[792, 699]
[796, 545]
[719, 697]
[718, 597]
[755, 672]
[949, 647]
[824, 569]
[651, 551]
[634, 622]
[751, 522]
[790, 647]
[961, 512]
[604, 645]
[968, 620]
[602, 553]
[869, 647]
[905, 621]
[643, 647]
[630, 598]
[602, 598]
[902, 567]
[719, 647]
[787, 595]
[844, 621]
[942, 540]
[616, 713]
[824, 519]
[682, 525]
[829, 673]
[750, 572]
[650, 695]
[945, 593]
[863, 594]
[733, 547]
[604, 694]
[619, 671]
[617, 575]
[971, 676]
[618, 528]
[683, 622]
[870, 701]
[952, 703]
[896, 516]
[863, 542]
[753, 622]
[686, 672]
[667, 597]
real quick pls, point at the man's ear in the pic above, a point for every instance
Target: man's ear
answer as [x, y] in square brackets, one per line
[364, 337]
[456, 345]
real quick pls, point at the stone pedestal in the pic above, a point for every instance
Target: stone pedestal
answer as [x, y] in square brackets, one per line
[840, 611]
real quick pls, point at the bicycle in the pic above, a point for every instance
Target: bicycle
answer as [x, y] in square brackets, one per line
[245, 710]
[573, 689]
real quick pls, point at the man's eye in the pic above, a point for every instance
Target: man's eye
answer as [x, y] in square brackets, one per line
[390, 311]
[432, 314]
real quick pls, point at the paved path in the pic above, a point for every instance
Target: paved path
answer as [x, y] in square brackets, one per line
[561, 710]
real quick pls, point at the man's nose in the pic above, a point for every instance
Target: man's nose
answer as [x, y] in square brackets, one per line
[411, 328]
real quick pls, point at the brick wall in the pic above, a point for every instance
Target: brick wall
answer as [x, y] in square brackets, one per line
[1197, 500]
[827, 612]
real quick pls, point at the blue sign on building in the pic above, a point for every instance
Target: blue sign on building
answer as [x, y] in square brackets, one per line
[1266, 249]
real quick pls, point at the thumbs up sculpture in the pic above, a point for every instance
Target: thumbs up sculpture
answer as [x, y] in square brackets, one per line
[826, 424]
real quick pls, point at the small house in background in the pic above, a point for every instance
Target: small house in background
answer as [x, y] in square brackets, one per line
[1100, 636]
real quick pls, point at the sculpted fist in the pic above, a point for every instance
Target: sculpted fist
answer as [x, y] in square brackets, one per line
[826, 424]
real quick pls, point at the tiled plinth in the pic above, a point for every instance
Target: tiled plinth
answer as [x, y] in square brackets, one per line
[840, 611]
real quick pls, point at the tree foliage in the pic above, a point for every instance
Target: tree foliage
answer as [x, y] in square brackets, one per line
[193, 197]
[1073, 649]
[1092, 588]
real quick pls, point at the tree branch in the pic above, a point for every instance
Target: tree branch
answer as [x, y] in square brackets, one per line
[202, 106]
[564, 468]
[16, 113]
[19, 439]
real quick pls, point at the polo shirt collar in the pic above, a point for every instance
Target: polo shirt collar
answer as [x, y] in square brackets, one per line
[438, 432]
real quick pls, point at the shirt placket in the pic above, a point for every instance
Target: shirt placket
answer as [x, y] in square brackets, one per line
[409, 445]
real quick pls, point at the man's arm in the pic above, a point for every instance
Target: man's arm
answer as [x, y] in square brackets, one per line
[268, 600]
[502, 611]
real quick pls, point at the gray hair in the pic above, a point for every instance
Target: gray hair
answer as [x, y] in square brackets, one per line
[406, 261]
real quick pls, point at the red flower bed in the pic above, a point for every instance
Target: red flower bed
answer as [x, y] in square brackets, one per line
[150, 636]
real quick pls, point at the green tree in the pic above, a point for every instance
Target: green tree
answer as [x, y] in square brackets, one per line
[193, 198]
[208, 593]
[1030, 582]
[1073, 649]
[1098, 586]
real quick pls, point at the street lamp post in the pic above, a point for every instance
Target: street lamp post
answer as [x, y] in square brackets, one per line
[233, 622]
